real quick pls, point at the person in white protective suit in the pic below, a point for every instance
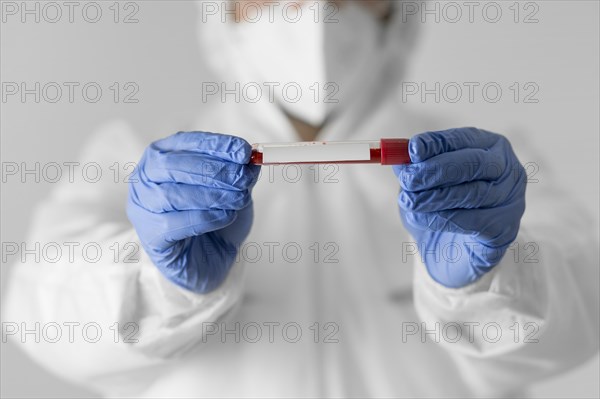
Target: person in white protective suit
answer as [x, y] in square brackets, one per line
[325, 295]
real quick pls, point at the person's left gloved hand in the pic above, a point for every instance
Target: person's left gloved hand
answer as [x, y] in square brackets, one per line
[462, 200]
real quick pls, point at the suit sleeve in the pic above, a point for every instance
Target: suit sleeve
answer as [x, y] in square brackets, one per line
[120, 321]
[535, 314]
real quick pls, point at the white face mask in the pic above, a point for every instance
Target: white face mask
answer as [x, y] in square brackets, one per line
[316, 53]
[361, 59]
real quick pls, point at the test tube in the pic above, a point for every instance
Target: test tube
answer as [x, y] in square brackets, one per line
[383, 151]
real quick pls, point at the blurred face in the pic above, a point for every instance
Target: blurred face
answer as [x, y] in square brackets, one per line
[380, 8]
[311, 53]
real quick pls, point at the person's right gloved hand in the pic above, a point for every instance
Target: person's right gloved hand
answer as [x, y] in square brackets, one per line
[190, 203]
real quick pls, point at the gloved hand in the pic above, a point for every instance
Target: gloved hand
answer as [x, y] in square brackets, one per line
[190, 203]
[462, 200]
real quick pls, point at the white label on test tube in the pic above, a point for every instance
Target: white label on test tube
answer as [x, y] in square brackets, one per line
[316, 152]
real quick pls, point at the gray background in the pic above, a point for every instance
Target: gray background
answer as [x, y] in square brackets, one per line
[560, 53]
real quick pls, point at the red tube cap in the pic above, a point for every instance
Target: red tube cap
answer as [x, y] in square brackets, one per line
[394, 151]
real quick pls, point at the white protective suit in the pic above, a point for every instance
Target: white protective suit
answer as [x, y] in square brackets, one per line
[373, 297]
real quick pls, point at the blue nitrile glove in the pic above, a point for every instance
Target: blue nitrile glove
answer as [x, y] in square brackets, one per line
[190, 203]
[462, 200]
